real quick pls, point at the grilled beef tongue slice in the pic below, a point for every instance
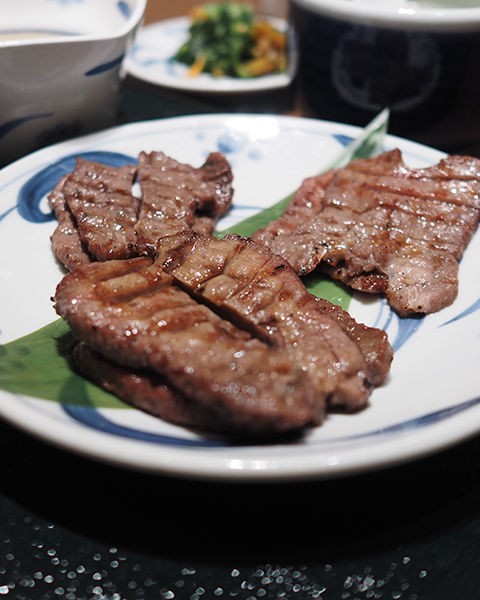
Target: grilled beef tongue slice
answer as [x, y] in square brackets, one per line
[382, 227]
[129, 312]
[148, 391]
[177, 196]
[66, 243]
[104, 210]
[261, 293]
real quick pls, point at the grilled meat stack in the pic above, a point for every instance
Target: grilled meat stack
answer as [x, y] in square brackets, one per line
[221, 334]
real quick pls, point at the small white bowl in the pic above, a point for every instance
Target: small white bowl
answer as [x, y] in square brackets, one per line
[61, 68]
[418, 57]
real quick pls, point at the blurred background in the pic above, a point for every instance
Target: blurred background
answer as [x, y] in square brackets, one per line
[422, 66]
[162, 9]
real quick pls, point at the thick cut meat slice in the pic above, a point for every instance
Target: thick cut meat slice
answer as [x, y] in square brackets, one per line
[66, 243]
[147, 391]
[262, 293]
[130, 313]
[105, 212]
[179, 197]
[381, 227]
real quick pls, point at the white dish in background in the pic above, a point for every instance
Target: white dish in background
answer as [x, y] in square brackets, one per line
[151, 60]
[64, 81]
[430, 401]
[359, 56]
[427, 15]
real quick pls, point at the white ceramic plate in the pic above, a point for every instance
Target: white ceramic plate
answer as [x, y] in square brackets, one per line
[430, 401]
[151, 60]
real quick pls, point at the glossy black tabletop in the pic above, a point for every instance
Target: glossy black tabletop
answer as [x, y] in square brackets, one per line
[75, 529]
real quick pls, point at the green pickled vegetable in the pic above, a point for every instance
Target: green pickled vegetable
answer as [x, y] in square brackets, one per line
[226, 39]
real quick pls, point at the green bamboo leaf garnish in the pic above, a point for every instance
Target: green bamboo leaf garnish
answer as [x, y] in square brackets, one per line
[37, 364]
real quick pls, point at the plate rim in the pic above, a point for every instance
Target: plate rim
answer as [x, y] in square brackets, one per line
[204, 464]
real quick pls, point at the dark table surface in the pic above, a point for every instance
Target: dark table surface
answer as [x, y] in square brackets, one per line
[76, 529]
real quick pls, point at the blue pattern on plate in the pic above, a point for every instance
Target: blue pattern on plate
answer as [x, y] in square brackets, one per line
[407, 327]
[343, 139]
[145, 56]
[231, 141]
[136, 53]
[235, 142]
[92, 418]
[95, 420]
[7, 212]
[468, 311]
[34, 190]
[418, 422]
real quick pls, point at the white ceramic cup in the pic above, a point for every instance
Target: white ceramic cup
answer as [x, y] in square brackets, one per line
[60, 68]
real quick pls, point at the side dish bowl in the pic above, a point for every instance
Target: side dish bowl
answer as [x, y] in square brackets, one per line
[418, 57]
[61, 68]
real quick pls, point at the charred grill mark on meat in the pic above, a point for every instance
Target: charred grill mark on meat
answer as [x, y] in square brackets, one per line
[260, 292]
[381, 227]
[100, 199]
[99, 218]
[129, 313]
[221, 334]
[178, 197]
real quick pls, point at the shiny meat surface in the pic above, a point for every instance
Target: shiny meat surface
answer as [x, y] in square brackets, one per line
[372, 342]
[261, 293]
[178, 197]
[99, 217]
[67, 245]
[100, 199]
[129, 312]
[382, 227]
[148, 391]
